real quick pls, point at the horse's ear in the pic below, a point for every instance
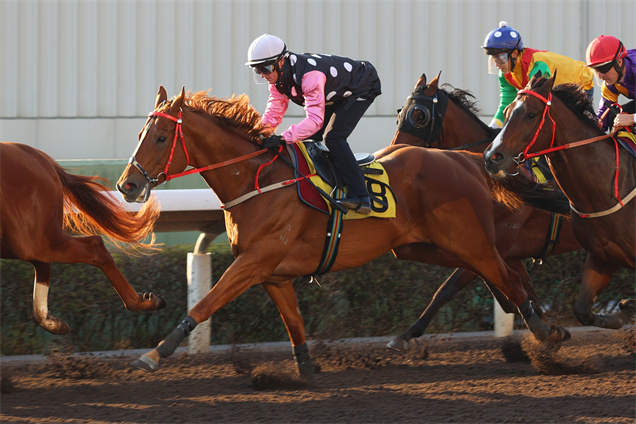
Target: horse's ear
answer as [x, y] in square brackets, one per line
[162, 96]
[552, 79]
[421, 82]
[435, 81]
[178, 101]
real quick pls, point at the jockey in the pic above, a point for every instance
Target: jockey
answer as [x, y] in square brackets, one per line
[335, 92]
[616, 66]
[516, 65]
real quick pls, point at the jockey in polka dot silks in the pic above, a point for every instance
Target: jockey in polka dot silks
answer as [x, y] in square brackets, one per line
[335, 92]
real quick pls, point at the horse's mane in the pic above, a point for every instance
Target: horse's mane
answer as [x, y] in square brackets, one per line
[575, 98]
[465, 100]
[233, 112]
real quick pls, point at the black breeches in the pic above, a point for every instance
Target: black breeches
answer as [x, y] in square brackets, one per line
[339, 124]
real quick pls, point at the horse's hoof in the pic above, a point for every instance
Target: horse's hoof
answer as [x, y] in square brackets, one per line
[558, 334]
[145, 363]
[399, 344]
[55, 326]
[157, 302]
[628, 306]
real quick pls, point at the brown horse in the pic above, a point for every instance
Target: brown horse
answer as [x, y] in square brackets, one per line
[443, 216]
[39, 201]
[448, 120]
[596, 173]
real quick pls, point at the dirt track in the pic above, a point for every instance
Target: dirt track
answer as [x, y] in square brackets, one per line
[590, 379]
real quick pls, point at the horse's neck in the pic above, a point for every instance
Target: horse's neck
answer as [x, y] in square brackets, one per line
[461, 128]
[215, 146]
[587, 173]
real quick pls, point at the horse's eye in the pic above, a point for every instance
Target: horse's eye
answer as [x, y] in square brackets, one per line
[161, 139]
[532, 115]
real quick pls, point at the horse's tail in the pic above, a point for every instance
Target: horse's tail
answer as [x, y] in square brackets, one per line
[90, 210]
[515, 190]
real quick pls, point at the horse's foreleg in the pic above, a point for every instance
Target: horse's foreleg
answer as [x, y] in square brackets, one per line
[528, 287]
[449, 288]
[512, 287]
[91, 250]
[596, 276]
[41, 313]
[236, 280]
[286, 301]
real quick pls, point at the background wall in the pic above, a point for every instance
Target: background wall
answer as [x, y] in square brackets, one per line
[78, 77]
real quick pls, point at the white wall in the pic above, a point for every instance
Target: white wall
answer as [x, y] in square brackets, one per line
[78, 77]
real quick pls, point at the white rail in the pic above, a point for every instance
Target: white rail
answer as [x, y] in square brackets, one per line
[200, 210]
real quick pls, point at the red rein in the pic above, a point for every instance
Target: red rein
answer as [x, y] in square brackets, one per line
[548, 103]
[178, 133]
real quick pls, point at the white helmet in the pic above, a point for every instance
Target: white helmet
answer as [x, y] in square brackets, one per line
[266, 48]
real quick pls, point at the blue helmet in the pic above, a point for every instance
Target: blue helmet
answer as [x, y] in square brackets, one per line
[502, 39]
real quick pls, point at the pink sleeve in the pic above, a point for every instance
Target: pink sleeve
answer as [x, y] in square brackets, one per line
[276, 107]
[313, 85]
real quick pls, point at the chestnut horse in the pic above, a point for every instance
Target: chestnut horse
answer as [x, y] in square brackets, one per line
[39, 200]
[448, 120]
[596, 173]
[443, 213]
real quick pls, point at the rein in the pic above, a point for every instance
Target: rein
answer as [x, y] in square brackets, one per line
[178, 134]
[523, 156]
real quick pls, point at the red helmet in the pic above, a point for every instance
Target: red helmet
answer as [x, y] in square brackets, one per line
[603, 50]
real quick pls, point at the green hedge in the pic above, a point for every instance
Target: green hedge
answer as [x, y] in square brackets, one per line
[380, 298]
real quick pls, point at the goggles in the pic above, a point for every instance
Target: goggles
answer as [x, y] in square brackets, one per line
[603, 69]
[265, 69]
[500, 58]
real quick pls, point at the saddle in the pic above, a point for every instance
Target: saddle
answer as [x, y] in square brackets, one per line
[312, 159]
[321, 158]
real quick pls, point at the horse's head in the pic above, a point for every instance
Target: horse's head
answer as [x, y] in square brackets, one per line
[524, 130]
[420, 120]
[160, 149]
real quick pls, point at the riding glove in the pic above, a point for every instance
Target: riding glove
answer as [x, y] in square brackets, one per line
[272, 141]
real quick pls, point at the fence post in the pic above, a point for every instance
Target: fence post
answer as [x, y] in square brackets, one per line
[504, 323]
[199, 270]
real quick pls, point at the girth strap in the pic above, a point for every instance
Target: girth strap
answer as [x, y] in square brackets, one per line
[553, 237]
[332, 241]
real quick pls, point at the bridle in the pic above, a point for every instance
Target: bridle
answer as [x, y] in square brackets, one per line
[524, 155]
[178, 134]
[431, 127]
[435, 114]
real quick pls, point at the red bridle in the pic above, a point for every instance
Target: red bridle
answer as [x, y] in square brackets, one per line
[178, 134]
[523, 156]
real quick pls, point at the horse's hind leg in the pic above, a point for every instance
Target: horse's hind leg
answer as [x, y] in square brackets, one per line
[41, 313]
[459, 279]
[286, 301]
[91, 250]
[596, 276]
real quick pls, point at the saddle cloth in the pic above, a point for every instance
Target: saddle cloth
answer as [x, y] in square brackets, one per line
[377, 180]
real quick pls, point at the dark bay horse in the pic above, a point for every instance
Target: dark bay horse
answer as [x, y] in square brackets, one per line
[40, 200]
[434, 117]
[443, 214]
[597, 174]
